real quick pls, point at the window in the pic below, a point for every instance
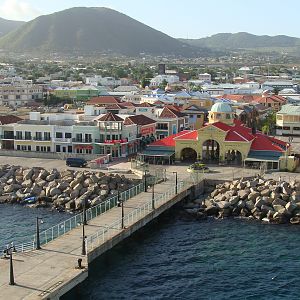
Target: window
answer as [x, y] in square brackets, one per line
[18, 97]
[88, 151]
[38, 136]
[57, 148]
[37, 148]
[286, 127]
[88, 137]
[70, 150]
[27, 135]
[296, 128]
[47, 136]
[68, 135]
[19, 135]
[78, 137]
[29, 148]
[18, 147]
[198, 116]
[58, 135]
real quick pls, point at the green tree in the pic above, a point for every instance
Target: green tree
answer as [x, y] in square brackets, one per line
[163, 85]
[145, 82]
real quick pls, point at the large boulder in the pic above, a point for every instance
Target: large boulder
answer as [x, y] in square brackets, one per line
[265, 192]
[234, 200]
[54, 191]
[253, 195]
[291, 207]
[243, 194]
[27, 173]
[27, 183]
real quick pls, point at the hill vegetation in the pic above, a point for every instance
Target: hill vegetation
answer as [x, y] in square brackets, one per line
[93, 29]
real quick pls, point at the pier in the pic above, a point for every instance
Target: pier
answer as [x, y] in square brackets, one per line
[53, 270]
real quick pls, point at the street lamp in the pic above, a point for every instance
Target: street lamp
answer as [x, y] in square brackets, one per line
[120, 203]
[10, 250]
[176, 181]
[84, 214]
[153, 203]
[145, 180]
[83, 248]
[38, 243]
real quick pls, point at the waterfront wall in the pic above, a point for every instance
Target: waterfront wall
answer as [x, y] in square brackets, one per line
[47, 155]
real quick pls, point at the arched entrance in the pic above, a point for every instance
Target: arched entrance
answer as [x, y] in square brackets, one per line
[188, 154]
[234, 157]
[210, 151]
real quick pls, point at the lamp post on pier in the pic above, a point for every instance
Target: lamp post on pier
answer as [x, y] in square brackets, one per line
[9, 251]
[176, 181]
[83, 248]
[153, 202]
[38, 243]
[84, 214]
[145, 180]
[120, 203]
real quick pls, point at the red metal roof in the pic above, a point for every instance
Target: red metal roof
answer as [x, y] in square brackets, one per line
[221, 126]
[263, 143]
[170, 140]
[103, 100]
[191, 135]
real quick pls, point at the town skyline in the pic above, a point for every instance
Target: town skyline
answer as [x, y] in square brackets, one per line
[198, 19]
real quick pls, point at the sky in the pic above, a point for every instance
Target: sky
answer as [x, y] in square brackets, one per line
[181, 19]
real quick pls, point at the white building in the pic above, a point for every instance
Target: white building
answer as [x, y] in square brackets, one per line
[157, 80]
[205, 77]
[18, 95]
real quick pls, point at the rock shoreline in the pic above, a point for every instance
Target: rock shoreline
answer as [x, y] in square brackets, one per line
[66, 190]
[262, 199]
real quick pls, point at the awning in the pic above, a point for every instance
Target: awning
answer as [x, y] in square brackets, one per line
[262, 158]
[157, 153]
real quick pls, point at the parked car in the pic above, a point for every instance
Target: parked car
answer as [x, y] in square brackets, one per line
[198, 166]
[76, 162]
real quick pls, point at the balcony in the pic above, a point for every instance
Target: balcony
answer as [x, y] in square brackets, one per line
[82, 141]
[23, 138]
[7, 137]
[42, 139]
[63, 140]
[111, 142]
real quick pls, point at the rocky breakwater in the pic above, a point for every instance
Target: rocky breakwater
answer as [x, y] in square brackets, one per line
[66, 190]
[267, 200]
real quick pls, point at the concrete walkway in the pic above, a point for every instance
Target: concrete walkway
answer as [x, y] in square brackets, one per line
[39, 272]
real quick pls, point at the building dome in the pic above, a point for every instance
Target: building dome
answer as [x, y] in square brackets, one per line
[221, 107]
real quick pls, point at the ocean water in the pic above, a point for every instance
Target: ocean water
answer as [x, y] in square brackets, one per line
[182, 258]
[18, 223]
[177, 258]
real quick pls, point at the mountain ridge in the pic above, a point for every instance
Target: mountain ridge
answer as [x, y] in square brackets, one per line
[7, 26]
[93, 29]
[243, 40]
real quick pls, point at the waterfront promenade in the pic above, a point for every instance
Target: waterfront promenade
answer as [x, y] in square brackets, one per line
[50, 272]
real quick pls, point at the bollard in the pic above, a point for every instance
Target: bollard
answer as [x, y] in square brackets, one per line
[79, 263]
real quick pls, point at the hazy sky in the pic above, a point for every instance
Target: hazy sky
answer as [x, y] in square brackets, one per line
[187, 18]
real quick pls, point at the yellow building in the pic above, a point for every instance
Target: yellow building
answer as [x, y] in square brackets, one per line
[227, 141]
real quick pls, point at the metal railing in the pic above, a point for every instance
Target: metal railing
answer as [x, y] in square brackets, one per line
[135, 215]
[60, 229]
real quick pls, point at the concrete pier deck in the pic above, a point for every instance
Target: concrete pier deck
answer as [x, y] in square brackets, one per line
[50, 272]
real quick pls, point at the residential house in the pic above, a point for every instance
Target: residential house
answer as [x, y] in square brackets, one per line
[170, 121]
[288, 120]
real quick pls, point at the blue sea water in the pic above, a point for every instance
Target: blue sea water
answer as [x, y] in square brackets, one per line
[180, 258]
[189, 259]
[18, 223]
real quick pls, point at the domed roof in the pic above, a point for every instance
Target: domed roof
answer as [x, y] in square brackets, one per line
[221, 107]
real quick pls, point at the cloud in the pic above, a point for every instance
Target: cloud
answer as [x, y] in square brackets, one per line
[18, 10]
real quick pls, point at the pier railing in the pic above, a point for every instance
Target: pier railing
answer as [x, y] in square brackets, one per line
[55, 231]
[135, 215]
